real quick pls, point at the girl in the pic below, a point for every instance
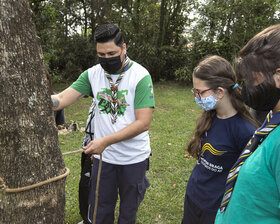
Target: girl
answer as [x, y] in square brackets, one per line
[221, 133]
[258, 182]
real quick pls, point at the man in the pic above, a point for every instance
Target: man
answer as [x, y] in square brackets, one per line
[123, 93]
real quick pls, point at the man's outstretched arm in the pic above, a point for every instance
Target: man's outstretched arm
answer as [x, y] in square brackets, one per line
[65, 98]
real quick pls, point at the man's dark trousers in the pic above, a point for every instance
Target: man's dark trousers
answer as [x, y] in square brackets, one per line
[129, 181]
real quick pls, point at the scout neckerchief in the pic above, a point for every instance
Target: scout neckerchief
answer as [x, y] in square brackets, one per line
[270, 123]
[114, 89]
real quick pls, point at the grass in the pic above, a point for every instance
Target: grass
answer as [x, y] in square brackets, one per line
[173, 121]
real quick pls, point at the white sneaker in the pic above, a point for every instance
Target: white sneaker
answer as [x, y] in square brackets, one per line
[82, 222]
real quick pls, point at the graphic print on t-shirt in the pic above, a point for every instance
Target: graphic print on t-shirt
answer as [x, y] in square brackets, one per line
[152, 90]
[209, 147]
[105, 100]
[213, 153]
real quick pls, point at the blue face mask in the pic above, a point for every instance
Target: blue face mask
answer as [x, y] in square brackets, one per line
[206, 103]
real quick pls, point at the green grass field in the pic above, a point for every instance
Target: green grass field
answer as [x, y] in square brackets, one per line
[174, 119]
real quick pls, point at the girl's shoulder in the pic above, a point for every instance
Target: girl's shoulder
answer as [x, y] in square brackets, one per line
[243, 125]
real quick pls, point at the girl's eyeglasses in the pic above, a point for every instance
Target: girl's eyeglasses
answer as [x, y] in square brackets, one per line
[197, 93]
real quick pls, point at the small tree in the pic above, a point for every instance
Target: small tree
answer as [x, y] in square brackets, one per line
[29, 151]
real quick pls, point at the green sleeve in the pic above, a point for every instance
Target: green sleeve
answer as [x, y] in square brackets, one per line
[144, 93]
[82, 84]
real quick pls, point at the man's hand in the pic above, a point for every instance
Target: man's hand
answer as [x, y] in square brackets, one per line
[55, 101]
[96, 146]
[141, 124]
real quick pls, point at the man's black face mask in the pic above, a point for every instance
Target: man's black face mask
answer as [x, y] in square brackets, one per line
[264, 99]
[111, 65]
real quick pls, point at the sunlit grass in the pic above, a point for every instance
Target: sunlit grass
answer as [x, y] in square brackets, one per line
[173, 120]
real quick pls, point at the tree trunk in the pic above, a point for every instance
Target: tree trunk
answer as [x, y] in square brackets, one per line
[29, 151]
[92, 19]
[85, 18]
[162, 23]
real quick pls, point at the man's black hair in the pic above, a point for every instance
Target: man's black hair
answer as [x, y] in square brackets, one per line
[108, 32]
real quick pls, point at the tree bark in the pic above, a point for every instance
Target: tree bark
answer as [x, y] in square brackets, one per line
[85, 18]
[162, 23]
[29, 151]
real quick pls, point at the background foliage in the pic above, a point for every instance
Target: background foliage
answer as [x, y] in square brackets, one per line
[168, 37]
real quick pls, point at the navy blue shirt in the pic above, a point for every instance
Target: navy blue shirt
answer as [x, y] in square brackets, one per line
[221, 146]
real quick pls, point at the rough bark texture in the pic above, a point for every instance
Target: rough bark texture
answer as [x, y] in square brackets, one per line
[29, 151]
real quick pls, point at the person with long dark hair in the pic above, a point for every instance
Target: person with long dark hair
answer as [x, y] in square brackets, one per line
[221, 133]
[253, 185]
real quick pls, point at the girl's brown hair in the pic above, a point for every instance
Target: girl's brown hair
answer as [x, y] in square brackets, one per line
[260, 57]
[216, 72]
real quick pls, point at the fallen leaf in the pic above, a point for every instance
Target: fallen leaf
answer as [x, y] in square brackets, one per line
[187, 156]
[157, 218]
[63, 132]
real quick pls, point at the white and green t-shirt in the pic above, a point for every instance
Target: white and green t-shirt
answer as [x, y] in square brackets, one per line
[135, 91]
